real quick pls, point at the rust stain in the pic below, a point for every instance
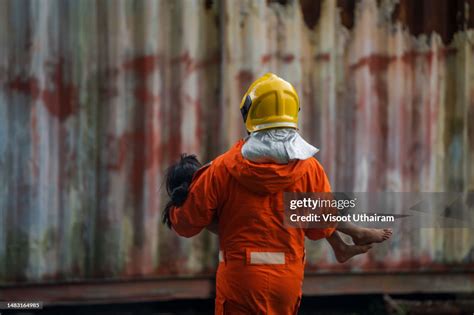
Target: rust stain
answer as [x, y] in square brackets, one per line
[266, 58]
[378, 62]
[244, 79]
[132, 144]
[186, 60]
[143, 67]
[285, 58]
[374, 62]
[26, 86]
[61, 101]
[323, 57]
[191, 64]
[288, 58]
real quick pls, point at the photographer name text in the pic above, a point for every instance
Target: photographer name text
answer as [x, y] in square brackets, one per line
[355, 217]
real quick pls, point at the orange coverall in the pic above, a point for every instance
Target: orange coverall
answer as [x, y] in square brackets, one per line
[261, 262]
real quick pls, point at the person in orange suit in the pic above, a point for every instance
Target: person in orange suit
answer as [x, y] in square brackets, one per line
[261, 261]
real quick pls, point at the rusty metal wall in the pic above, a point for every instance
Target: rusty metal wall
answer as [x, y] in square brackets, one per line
[98, 97]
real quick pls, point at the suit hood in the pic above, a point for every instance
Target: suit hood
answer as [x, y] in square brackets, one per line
[262, 178]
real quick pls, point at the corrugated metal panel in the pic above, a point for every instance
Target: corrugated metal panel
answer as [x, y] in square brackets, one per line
[98, 97]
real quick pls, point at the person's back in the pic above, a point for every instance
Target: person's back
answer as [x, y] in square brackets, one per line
[265, 258]
[261, 262]
[250, 195]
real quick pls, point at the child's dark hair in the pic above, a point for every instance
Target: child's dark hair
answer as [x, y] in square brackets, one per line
[178, 179]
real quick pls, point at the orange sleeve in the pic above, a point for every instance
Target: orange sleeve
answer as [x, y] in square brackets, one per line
[320, 183]
[198, 210]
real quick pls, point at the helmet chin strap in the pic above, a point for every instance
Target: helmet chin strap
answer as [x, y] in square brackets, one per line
[246, 108]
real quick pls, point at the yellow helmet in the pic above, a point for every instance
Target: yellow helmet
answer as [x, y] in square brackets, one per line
[270, 102]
